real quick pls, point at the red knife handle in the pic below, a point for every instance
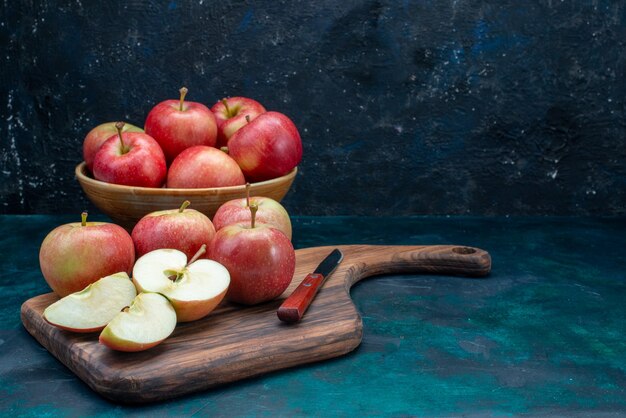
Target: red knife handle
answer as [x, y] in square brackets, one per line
[296, 304]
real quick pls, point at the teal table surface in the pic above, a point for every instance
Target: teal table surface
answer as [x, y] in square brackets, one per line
[543, 335]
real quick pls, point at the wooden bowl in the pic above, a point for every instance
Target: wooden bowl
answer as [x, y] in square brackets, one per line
[125, 205]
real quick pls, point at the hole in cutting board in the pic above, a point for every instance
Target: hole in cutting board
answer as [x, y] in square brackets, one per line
[464, 250]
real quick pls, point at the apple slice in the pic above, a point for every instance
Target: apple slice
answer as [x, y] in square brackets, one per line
[194, 288]
[93, 307]
[148, 321]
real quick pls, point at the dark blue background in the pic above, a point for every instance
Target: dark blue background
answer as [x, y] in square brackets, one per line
[405, 107]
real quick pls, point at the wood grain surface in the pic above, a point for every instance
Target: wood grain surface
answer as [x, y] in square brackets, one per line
[236, 342]
[125, 205]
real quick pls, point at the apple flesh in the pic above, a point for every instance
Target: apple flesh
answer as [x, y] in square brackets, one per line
[201, 166]
[231, 114]
[182, 229]
[148, 321]
[74, 255]
[178, 124]
[267, 147]
[130, 159]
[194, 289]
[97, 136]
[269, 212]
[94, 307]
[260, 259]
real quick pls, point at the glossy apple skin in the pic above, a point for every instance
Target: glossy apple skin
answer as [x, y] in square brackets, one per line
[185, 231]
[229, 122]
[143, 165]
[202, 166]
[177, 130]
[267, 147]
[270, 213]
[73, 256]
[97, 136]
[261, 262]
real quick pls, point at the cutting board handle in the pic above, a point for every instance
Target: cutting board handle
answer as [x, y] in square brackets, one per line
[452, 260]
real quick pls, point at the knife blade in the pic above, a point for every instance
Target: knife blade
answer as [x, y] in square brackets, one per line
[293, 308]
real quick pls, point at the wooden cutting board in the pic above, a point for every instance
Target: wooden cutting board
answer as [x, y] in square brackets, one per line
[236, 342]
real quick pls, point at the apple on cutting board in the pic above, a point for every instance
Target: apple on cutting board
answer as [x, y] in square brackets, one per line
[269, 212]
[178, 124]
[145, 323]
[260, 259]
[130, 159]
[193, 288]
[231, 114]
[98, 135]
[182, 229]
[94, 307]
[74, 255]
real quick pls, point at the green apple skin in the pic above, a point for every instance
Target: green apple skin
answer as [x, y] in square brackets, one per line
[149, 320]
[270, 213]
[72, 256]
[98, 136]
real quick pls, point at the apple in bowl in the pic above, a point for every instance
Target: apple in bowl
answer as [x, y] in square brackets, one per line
[178, 124]
[267, 147]
[98, 135]
[231, 114]
[130, 159]
[204, 167]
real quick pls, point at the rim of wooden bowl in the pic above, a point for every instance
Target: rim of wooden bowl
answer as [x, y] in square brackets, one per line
[81, 175]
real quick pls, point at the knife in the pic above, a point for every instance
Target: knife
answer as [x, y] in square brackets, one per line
[296, 304]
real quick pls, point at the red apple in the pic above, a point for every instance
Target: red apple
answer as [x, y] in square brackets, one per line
[96, 137]
[131, 159]
[181, 229]
[202, 166]
[260, 259]
[74, 255]
[178, 125]
[267, 147]
[230, 115]
[270, 213]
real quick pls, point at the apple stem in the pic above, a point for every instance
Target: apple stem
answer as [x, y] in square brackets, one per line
[225, 103]
[197, 255]
[247, 118]
[253, 208]
[183, 92]
[224, 149]
[83, 219]
[119, 126]
[247, 195]
[184, 206]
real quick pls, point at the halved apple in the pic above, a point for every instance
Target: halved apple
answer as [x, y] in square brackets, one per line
[194, 288]
[148, 321]
[93, 307]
